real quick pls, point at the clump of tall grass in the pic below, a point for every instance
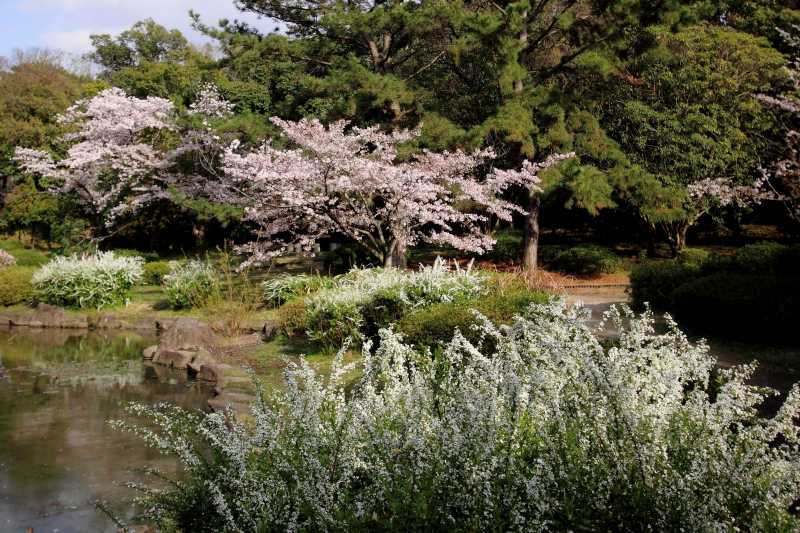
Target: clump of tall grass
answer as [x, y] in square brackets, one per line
[93, 281]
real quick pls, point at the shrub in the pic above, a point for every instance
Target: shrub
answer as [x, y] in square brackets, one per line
[6, 259]
[15, 285]
[587, 261]
[508, 246]
[155, 272]
[739, 305]
[191, 284]
[549, 432]
[693, 256]
[95, 281]
[292, 317]
[653, 281]
[281, 289]
[364, 300]
[434, 326]
[766, 258]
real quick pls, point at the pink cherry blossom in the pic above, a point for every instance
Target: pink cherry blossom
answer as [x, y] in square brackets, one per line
[349, 182]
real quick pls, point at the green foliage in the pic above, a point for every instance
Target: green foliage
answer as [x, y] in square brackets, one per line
[507, 248]
[96, 281]
[126, 252]
[433, 326]
[24, 255]
[146, 41]
[281, 289]
[191, 284]
[587, 260]
[740, 306]
[652, 282]
[155, 272]
[766, 258]
[693, 256]
[292, 317]
[15, 285]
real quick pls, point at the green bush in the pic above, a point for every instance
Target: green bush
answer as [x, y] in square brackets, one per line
[653, 281]
[292, 317]
[739, 305]
[507, 248]
[191, 284]
[95, 281]
[364, 300]
[693, 256]
[434, 326]
[766, 258]
[15, 285]
[155, 272]
[587, 261]
[280, 289]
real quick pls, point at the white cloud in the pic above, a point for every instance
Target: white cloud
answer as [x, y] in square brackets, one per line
[67, 24]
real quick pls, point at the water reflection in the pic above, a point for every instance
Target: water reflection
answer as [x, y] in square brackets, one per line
[58, 454]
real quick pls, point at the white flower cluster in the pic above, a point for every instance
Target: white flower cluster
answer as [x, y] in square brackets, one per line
[336, 312]
[191, 284]
[6, 259]
[552, 431]
[94, 281]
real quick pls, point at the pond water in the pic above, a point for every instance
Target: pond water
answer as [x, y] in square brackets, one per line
[58, 454]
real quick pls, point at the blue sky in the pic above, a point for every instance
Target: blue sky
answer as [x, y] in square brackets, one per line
[67, 24]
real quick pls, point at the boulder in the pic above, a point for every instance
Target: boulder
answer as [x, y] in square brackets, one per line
[188, 334]
[149, 352]
[201, 358]
[179, 359]
[214, 372]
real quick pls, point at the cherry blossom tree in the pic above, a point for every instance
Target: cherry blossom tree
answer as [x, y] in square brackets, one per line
[121, 154]
[786, 172]
[111, 164]
[350, 182]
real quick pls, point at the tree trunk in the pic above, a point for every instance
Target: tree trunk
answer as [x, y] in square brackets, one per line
[396, 256]
[652, 235]
[530, 254]
[676, 231]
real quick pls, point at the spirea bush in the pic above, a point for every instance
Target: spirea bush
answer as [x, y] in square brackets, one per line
[550, 431]
[6, 259]
[364, 300]
[281, 289]
[190, 284]
[93, 281]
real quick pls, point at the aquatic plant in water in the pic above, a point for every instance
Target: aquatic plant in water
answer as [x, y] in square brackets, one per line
[550, 431]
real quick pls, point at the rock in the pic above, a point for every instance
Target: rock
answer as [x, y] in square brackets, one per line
[188, 334]
[149, 352]
[270, 329]
[174, 358]
[214, 373]
[203, 357]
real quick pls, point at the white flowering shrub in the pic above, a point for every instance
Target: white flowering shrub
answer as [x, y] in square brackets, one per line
[550, 431]
[6, 259]
[94, 281]
[190, 284]
[364, 300]
[280, 289]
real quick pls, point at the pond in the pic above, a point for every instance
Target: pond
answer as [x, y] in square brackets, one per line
[58, 454]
